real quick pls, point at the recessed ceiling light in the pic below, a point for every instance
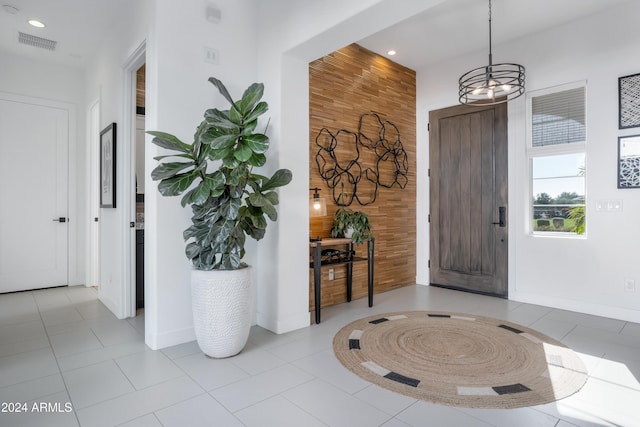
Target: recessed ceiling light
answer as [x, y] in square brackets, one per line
[391, 52]
[36, 23]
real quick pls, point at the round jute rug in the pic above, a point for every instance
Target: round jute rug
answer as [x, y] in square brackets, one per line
[459, 359]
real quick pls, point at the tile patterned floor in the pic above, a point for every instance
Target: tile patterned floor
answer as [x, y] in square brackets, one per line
[64, 352]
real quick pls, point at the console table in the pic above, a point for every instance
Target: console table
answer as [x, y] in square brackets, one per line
[318, 263]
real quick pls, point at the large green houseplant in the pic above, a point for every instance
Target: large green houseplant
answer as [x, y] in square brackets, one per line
[215, 176]
[232, 201]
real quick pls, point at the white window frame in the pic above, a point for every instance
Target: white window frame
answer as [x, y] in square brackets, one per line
[551, 150]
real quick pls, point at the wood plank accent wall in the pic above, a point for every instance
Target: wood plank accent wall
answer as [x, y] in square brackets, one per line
[140, 89]
[342, 86]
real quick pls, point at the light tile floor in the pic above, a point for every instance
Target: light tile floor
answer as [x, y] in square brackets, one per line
[64, 352]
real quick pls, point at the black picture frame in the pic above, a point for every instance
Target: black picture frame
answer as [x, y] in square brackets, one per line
[629, 161]
[108, 167]
[629, 101]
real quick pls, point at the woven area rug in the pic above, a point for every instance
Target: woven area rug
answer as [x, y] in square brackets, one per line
[459, 359]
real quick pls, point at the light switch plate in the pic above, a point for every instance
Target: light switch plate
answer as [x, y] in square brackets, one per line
[211, 55]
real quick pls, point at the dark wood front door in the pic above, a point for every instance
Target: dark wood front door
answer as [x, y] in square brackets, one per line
[468, 198]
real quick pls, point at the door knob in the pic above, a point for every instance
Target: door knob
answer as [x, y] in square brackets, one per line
[61, 219]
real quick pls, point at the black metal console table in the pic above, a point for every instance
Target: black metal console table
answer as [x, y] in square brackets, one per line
[338, 258]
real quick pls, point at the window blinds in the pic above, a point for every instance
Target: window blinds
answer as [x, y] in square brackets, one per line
[559, 118]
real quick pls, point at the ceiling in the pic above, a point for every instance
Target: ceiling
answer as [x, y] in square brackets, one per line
[77, 25]
[459, 27]
[451, 29]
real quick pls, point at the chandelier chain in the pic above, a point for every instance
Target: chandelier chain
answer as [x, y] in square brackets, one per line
[490, 47]
[493, 83]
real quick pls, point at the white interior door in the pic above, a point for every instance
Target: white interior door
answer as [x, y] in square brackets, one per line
[34, 140]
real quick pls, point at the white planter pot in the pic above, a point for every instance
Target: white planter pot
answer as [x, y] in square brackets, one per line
[348, 233]
[222, 302]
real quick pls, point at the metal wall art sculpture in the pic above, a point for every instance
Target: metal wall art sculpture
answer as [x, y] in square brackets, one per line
[343, 155]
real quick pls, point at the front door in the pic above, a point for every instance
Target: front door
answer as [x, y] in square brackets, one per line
[468, 198]
[33, 194]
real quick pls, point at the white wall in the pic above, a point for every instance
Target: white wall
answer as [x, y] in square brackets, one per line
[256, 41]
[584, 275]
[178, 94]
[292, 34]
[105, 81]
[54, 82]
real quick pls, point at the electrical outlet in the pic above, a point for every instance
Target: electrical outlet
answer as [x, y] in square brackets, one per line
[331, 274]
[629, 285]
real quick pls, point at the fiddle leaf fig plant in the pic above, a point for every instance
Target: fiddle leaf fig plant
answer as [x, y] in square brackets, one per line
[232, 201]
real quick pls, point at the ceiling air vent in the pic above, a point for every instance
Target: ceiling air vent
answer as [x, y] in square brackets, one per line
[36, 41]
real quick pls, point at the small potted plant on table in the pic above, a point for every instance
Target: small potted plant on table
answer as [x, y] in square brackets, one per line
[350, 224]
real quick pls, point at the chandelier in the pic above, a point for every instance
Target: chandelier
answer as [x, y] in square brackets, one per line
[493, 83]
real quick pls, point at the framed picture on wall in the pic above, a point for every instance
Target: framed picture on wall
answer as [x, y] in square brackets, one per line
[629, 101]
[629, 161]
[108, 167]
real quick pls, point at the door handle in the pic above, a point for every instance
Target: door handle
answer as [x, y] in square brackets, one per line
[502, 217]
[61, 219]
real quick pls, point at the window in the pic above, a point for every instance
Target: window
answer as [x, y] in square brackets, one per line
[556, 128]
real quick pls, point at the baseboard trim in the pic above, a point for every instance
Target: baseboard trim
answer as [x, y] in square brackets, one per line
[611, 312]
[284, 325]
[171, 338]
